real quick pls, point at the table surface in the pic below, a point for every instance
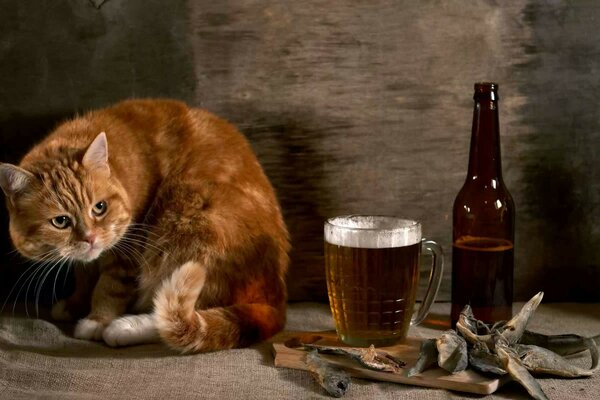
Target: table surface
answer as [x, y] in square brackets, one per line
[554, 318]
[41, 359]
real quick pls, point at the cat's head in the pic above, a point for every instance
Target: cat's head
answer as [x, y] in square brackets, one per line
[66, 207]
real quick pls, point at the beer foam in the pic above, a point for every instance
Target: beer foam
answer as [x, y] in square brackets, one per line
[372, 232]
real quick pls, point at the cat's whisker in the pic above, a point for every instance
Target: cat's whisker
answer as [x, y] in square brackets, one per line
[142, 247]
[15, 286]
[58, 264]
[121, 250]
[144, 234]
[44, 257]
[138, 243]
[10, 253]
[145, 230]
[131, 257]
[126, 254]
[49, 257]
[137, 255]
[140, 240]
[28, 282]
[42, 270]
[69, 265]
[138, 252]
[139, 225]
[132, 253]
[54, 298]
[141, 243]
[54, 260]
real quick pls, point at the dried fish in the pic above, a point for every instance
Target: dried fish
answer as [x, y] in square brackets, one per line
[481, 359]
[452, 352]
[428, 356]
[369, 358]
[540, 360]
[474, 325]
[468, 330]
[513, 329]
[334, 380]
[563, 345]
[518, 372]
[468, 319]
[507, 347]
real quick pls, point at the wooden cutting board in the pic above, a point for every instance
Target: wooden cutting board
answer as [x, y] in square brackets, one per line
[465, 381]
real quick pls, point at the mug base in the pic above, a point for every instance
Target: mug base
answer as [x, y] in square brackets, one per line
[367, 342]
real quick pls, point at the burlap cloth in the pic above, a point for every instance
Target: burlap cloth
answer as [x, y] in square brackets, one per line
[40, 359]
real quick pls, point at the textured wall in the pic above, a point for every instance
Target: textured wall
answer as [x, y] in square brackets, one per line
[352, 107]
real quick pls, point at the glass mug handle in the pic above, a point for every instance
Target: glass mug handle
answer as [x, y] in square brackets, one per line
[435, 277]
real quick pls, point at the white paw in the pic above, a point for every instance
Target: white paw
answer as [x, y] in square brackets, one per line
[60, 313]
[130, 330]
[89, 329]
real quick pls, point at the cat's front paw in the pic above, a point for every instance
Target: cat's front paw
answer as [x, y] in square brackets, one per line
[60, 313]
[89, 329]
[130, 330]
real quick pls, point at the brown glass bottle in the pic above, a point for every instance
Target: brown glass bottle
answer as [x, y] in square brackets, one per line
[483, 222]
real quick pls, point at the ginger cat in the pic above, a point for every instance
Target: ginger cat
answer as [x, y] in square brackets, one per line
[166, 212]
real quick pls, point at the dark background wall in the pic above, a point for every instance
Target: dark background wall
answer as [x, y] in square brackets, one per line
[352, 107]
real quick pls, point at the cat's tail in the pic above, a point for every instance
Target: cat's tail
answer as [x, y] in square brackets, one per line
[184, 328]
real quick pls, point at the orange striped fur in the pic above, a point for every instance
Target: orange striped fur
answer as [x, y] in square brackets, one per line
[192, 232]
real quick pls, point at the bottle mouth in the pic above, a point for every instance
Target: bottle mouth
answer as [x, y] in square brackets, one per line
[487, 86]
[486, 90]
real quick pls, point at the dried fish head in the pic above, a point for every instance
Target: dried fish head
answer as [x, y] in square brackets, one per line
[513, 329]
[467, 319]
[334, 380]
[452, 352]
[540, 360]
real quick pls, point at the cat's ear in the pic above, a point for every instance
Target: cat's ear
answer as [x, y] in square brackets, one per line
[14, 180]
[96, 155]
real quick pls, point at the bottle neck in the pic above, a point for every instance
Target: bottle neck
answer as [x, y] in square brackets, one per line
[484, 157]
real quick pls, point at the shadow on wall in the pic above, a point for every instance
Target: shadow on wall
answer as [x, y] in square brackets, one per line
[560, 170]
[290, 150]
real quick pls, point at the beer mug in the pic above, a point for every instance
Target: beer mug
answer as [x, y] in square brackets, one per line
[372, 267]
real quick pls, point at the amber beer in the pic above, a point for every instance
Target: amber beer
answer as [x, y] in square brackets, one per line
[372, 267]
[483, 221]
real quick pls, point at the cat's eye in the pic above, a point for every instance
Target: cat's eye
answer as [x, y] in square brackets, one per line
[61, 222]
[99, 208]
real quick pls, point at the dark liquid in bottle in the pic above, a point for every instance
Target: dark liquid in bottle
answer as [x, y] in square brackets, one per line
[482, 270]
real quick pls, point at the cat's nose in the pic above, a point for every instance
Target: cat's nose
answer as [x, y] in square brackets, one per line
[90, 238]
